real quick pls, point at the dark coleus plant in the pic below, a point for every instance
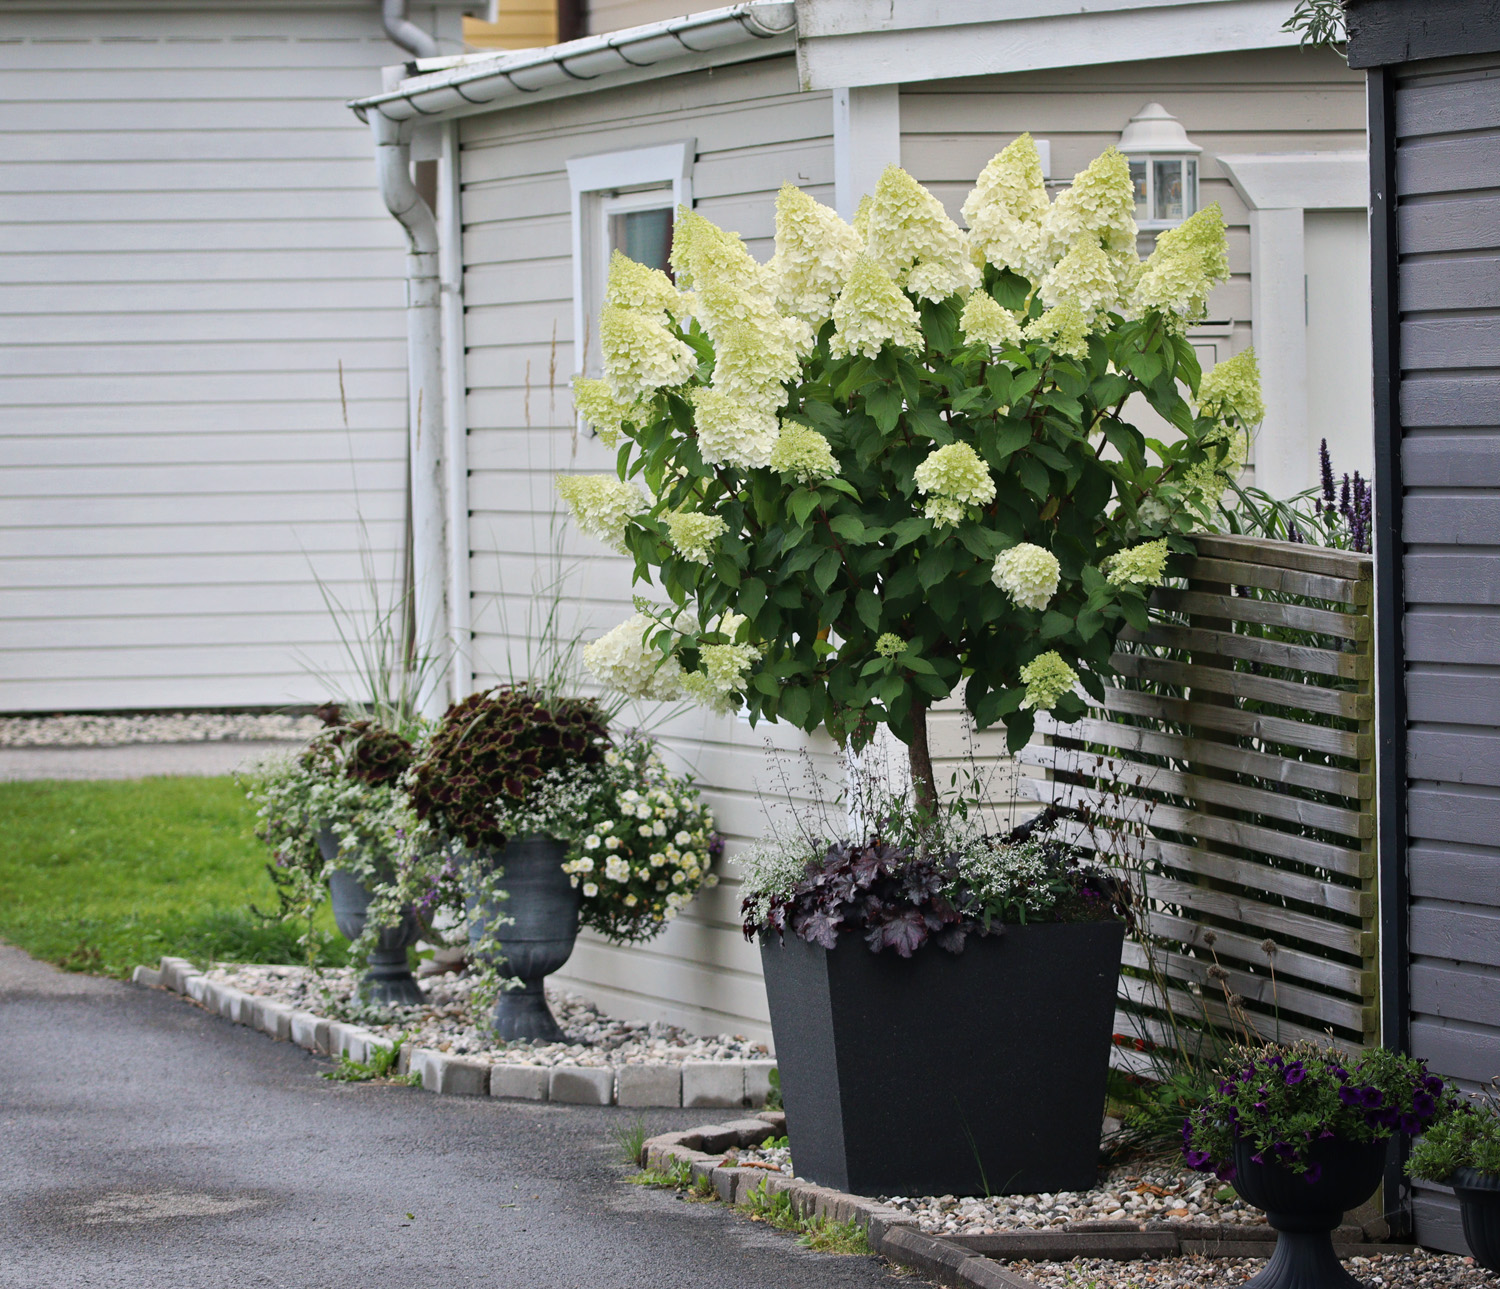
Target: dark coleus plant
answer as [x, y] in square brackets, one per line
[493, 745]
[1281, 1100]
[359, 750]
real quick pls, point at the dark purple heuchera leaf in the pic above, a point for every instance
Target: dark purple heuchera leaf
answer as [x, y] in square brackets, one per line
[905, 933]
[818, 927]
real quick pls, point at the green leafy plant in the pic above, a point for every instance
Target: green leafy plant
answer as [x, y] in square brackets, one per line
[382, 1064]
[774, 1208]
[773, 1099]
[893, 463]
[1319, 24]
[1465, 1134]
[824, 1235]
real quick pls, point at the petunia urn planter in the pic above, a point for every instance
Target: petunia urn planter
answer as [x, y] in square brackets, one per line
[538, 928]
[1305, 1208]
[975, 1073]
[388, 981]
[1479, 1205]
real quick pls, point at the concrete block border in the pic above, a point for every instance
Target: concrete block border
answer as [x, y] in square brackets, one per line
[707, 1084]
[962, 1261]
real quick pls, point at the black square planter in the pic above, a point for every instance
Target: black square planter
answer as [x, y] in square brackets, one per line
[945, 1073]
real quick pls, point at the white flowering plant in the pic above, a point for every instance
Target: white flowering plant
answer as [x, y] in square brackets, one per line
[649, 847]
[893, 462]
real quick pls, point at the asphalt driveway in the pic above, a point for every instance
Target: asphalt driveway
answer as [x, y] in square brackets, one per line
[144, 1143]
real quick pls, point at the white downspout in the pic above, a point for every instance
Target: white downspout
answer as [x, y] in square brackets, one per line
[424, 387]
[404, 32]
[455, 389]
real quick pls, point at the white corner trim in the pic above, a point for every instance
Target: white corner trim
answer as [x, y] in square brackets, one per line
[1301, 180]
[660, 164]
[932, 41]
[866, 139]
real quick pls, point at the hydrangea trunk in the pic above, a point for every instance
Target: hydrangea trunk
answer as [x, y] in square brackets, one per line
[919, 756]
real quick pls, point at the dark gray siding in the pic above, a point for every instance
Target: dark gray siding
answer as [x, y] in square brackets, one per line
[1447, 119]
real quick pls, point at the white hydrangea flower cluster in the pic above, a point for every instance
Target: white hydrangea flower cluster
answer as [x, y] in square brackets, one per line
[1083, 277]
[1143, 565]
[623, 659]
[1027, 573]
[1099, 205]
[1065, 327]
[953, 478]
[870, 311]
[756, 349]
[909, 235]
[602, 505]
[648, 850]
[802, 452]
[1188, 262]
[731, 431]
[988, 322]
[602, 410]
[641, 355]
[693, 533]
[724, 668]
[634, 286]
[1006, 208]
[815, 251]
[1047, 678]
[1232, 388]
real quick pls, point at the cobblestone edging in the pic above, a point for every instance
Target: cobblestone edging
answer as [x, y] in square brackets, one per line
[707, 1083]
[963, 1261]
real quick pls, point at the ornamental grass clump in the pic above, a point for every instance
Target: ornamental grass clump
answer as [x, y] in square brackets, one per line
[1283, 1100]
[902, 429]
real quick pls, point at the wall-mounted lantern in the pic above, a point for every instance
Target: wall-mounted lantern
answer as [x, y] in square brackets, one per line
[1163, 167]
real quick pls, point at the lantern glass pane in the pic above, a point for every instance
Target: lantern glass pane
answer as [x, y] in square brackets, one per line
[1190, 189]
[1168, 194]
[1142, 198]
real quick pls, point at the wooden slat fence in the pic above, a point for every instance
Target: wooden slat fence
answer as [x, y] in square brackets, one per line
[1230, 771]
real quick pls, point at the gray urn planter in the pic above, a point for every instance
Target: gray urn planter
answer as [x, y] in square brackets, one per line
[539, 925]
[389, 981]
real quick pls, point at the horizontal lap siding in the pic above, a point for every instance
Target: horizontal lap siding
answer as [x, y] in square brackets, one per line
[193, 250]
[1266, 101]
[754, 131]
[1448, 230]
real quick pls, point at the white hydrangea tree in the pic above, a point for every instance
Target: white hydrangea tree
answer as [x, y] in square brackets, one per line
[892, 463]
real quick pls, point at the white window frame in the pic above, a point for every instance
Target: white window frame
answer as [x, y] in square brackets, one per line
[608, 183]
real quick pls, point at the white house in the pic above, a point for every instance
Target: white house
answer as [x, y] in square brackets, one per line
[202, 378]
[552, 157]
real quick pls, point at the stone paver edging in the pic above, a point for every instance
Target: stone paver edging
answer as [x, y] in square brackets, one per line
[706, 1083]
[963, 1261]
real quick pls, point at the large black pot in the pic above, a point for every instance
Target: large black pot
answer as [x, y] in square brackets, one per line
[389, 980]
[967, 1074]
[539, 924]
[1305, 1213]
[1479, 1202]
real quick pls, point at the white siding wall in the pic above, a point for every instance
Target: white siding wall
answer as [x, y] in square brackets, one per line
[192, 247]
[754, 131]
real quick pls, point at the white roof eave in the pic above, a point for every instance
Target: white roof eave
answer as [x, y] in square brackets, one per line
[443, 88]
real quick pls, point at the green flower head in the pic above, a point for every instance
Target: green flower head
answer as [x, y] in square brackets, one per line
[1047, 679]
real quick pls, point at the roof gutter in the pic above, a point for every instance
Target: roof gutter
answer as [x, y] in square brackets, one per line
[451, 87]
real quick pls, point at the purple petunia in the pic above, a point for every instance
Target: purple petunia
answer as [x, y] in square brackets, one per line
[1314, 1171]
[1295, 1073]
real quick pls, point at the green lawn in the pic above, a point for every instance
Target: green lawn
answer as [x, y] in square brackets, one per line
[100, 876]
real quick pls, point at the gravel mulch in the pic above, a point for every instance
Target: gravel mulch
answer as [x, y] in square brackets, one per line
[1420, 1270]
[170, 727]
[446, 1022]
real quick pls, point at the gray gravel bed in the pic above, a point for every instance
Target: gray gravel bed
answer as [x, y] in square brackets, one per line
[446, 1022]
[169, 727]
[1420, 1270]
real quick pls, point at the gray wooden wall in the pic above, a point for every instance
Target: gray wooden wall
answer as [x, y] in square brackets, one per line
[1447, 132]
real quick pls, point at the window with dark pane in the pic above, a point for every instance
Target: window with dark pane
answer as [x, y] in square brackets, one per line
[644, 236]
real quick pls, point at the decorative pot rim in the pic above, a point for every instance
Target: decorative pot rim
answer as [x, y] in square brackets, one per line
[1474, 1179]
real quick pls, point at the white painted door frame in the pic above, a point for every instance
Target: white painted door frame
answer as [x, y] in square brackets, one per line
[1280, 188]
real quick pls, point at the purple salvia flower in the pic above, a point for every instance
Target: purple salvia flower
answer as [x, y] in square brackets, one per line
[1325, 463]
